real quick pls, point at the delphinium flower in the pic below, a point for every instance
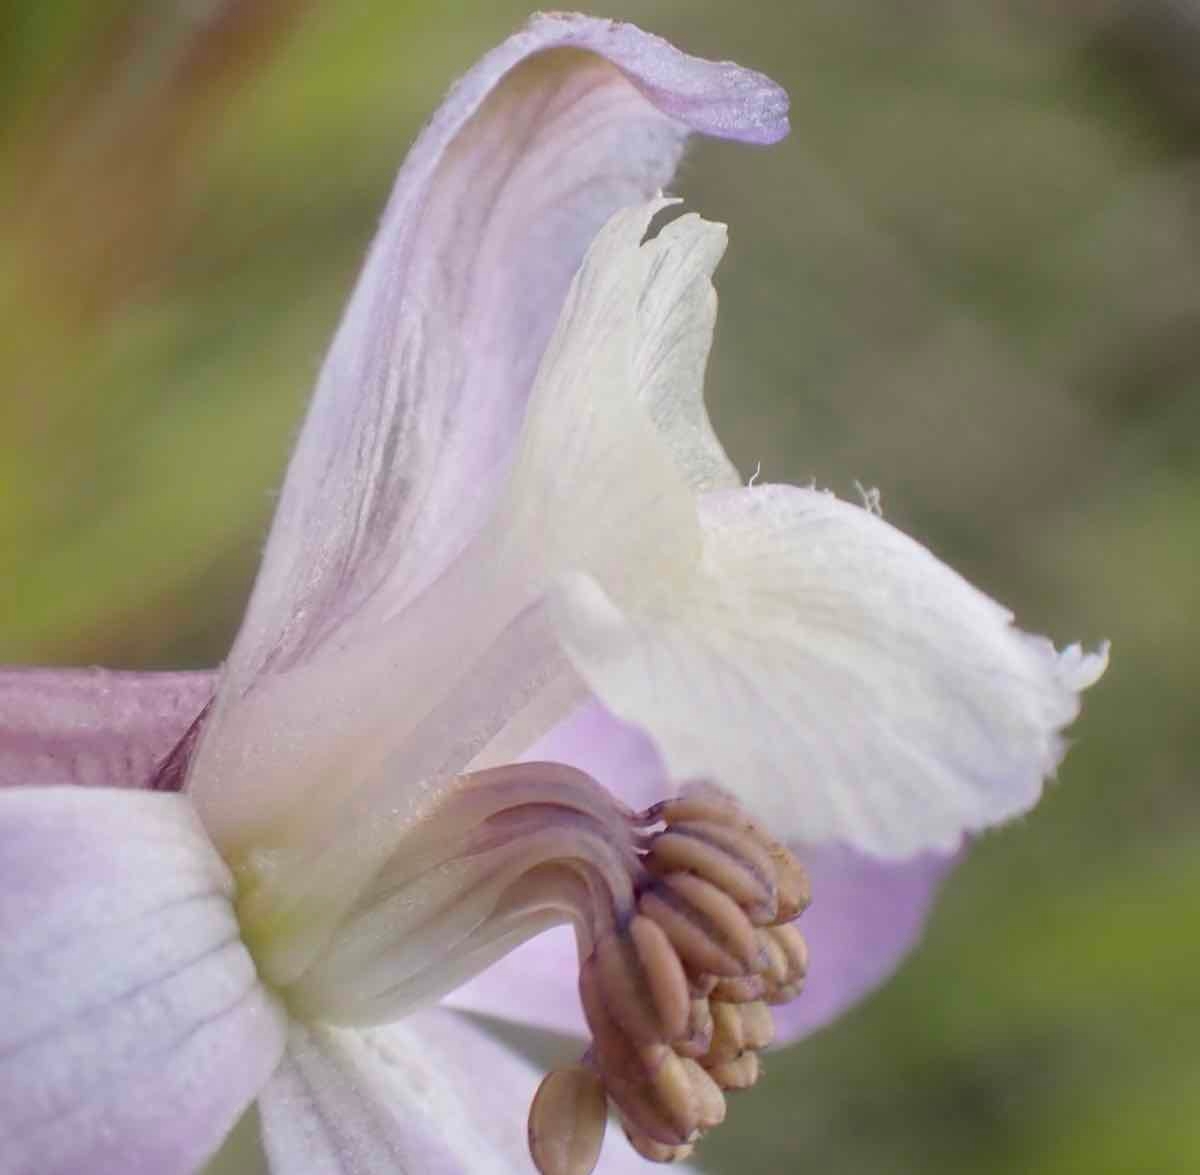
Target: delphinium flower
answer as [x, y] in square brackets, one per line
[523, 653]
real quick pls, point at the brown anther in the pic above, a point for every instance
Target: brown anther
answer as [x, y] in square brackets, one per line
[636, 1077]
[794, 947]
[676, 990]
[758, 1025]
[643, 983]
[652, 1149]
[675, 1094]
[740, 990]
[710, 1100]
[729, 1038]
[699, 1031]
[566, 1122]
[740, 1073]
[708, 929]
[664, 977]
[703, 802]
[793, 889]
[776, 968]
[785, 994]
[729, 858]
[622, 990]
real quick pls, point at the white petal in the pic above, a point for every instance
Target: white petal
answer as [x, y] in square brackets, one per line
[835, 675]
[676, 316]
[616, 439]
[434, 1094]
[134, 1029]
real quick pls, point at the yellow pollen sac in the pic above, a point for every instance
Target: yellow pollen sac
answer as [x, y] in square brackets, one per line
[678, 992]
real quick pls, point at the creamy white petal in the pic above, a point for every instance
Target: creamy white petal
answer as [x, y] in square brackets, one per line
[676, 316]
[594, 484]
[835, 675]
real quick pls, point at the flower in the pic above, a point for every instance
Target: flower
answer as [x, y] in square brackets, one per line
[510, 559]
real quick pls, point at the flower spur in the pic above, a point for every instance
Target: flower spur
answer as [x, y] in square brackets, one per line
[509, 547]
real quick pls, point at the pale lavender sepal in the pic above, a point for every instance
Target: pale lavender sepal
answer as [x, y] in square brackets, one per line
[94, 727]
[422, 394]
[866, 915]
[134, 1031]
[435, 1094]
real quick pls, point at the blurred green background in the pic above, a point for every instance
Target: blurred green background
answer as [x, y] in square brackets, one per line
[971, 278]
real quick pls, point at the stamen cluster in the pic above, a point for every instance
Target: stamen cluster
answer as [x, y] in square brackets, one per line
[677, 995]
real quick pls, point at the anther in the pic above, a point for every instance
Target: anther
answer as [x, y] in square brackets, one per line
[728, 858]
[701, 801]
[664, 977]
[644, 1081]
[758, 1027]
[741, 990]
[624, 990]
[740, 1073]
[729, 1038]
[698, 1040]
[793, 889]
[566, 1122]
[677, 983]
[794, 947]
[710, 1101]
[705, 803]
[705, 925]
[652, 1149]
[776, 967]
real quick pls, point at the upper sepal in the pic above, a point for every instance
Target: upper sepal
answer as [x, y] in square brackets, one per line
[421, 397]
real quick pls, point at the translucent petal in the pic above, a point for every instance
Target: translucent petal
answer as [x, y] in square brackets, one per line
[835, 675]
[616, 428]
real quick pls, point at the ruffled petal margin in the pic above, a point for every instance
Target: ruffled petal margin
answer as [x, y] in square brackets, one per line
[834, 675]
